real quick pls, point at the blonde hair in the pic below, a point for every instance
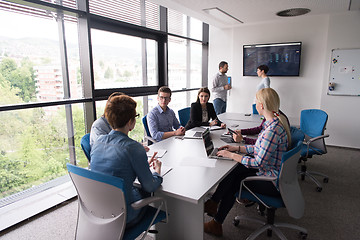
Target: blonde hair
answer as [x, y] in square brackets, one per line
[271, 102]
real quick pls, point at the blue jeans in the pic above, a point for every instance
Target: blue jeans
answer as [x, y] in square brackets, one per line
[219, 105]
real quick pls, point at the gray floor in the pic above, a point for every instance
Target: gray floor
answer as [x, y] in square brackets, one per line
[332, 214]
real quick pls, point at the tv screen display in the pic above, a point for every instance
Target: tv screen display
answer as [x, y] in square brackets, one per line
[283, 59]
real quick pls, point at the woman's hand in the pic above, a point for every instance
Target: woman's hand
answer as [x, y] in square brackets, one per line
[225, 153]
[223, 125]
[229, 148]
[157, 166]
[146, 148]
[237, 137]
[213, 123]
[152, 159]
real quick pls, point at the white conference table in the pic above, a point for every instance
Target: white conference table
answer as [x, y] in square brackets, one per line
[186, 186]
[234, 118]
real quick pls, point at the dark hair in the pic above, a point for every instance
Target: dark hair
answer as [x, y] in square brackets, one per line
[205, 90]
[264, 68]
[222, 64]
[119, 110]
[164, 89]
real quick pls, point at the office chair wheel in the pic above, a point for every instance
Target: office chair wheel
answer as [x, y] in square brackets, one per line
[326, 180]
[318, 189]
[303, 235]
[236, 222]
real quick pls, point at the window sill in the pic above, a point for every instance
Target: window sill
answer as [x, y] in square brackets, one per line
[23, 209]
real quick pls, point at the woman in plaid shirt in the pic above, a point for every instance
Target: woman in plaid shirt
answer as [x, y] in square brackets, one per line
[262, 159]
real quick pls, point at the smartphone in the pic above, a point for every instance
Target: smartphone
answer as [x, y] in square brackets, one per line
[232, 131]
[229, 81]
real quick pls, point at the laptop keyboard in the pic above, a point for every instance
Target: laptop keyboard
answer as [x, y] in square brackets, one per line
[197, 134]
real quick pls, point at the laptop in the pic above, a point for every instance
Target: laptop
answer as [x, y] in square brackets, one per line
[195, 134]
[209, 147]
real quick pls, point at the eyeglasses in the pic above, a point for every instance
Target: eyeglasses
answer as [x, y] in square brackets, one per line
[165, 98]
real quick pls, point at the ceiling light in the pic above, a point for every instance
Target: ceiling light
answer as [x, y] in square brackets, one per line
[221, 15]
[293, 12]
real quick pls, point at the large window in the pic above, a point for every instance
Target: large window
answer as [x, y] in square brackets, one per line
[118, 60]
[59, 61]
[184, 52]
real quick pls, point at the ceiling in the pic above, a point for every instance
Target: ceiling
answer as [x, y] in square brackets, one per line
[254, 11]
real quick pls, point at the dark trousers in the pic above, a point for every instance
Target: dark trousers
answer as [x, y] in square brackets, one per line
[225, 192]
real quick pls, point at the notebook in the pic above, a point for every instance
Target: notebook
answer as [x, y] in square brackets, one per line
[209, 147]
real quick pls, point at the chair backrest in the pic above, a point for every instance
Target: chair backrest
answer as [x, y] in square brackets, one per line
[184, 116]
[313, 123]
[144, 121]
[102, 206]
[296, 136]
[85, 145]
[254, 109]
[288, 182]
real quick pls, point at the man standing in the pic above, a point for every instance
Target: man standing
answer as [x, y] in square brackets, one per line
[220, 87]
[162, 120]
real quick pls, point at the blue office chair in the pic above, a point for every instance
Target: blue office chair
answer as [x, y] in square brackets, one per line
[147, 137]
[313, 123]
[85, 145]
[184, 116]
[102, 207]
[254, 109]
[291, 197]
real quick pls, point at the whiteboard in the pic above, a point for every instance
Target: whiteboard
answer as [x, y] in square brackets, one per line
[344, 72]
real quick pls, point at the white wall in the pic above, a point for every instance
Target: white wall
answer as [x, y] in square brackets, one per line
[318, 34]
[344, 111]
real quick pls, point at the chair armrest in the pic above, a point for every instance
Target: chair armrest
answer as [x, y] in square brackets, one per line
[146, 201]
[150, 139]
[317, 138]
[313, 144]
[255, 178]
[259, 178]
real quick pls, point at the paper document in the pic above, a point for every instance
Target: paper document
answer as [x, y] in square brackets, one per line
[160, 152]
[164, 170]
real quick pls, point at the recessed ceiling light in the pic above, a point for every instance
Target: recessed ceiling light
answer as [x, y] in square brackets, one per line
[222, 15]
[293, 12]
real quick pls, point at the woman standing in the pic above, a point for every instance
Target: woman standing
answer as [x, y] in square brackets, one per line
[118, 155]
[261, 71]
[267, 152]
[202, 111]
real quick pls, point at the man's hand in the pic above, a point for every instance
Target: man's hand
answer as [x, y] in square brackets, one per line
[180, 131]
[227, 87]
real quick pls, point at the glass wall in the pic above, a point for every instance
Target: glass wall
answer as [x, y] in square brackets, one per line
[53, 71]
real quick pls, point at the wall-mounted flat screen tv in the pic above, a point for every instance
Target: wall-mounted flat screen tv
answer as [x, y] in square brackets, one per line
[283, 59]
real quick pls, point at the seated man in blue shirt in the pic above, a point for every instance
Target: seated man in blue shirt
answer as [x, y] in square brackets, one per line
[162, 120]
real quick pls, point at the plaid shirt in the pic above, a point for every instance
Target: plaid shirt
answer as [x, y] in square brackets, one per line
[271, 144]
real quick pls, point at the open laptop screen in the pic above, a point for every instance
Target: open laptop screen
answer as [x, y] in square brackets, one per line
[209, 146]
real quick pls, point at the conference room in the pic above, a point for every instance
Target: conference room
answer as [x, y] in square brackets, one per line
[185, 58]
